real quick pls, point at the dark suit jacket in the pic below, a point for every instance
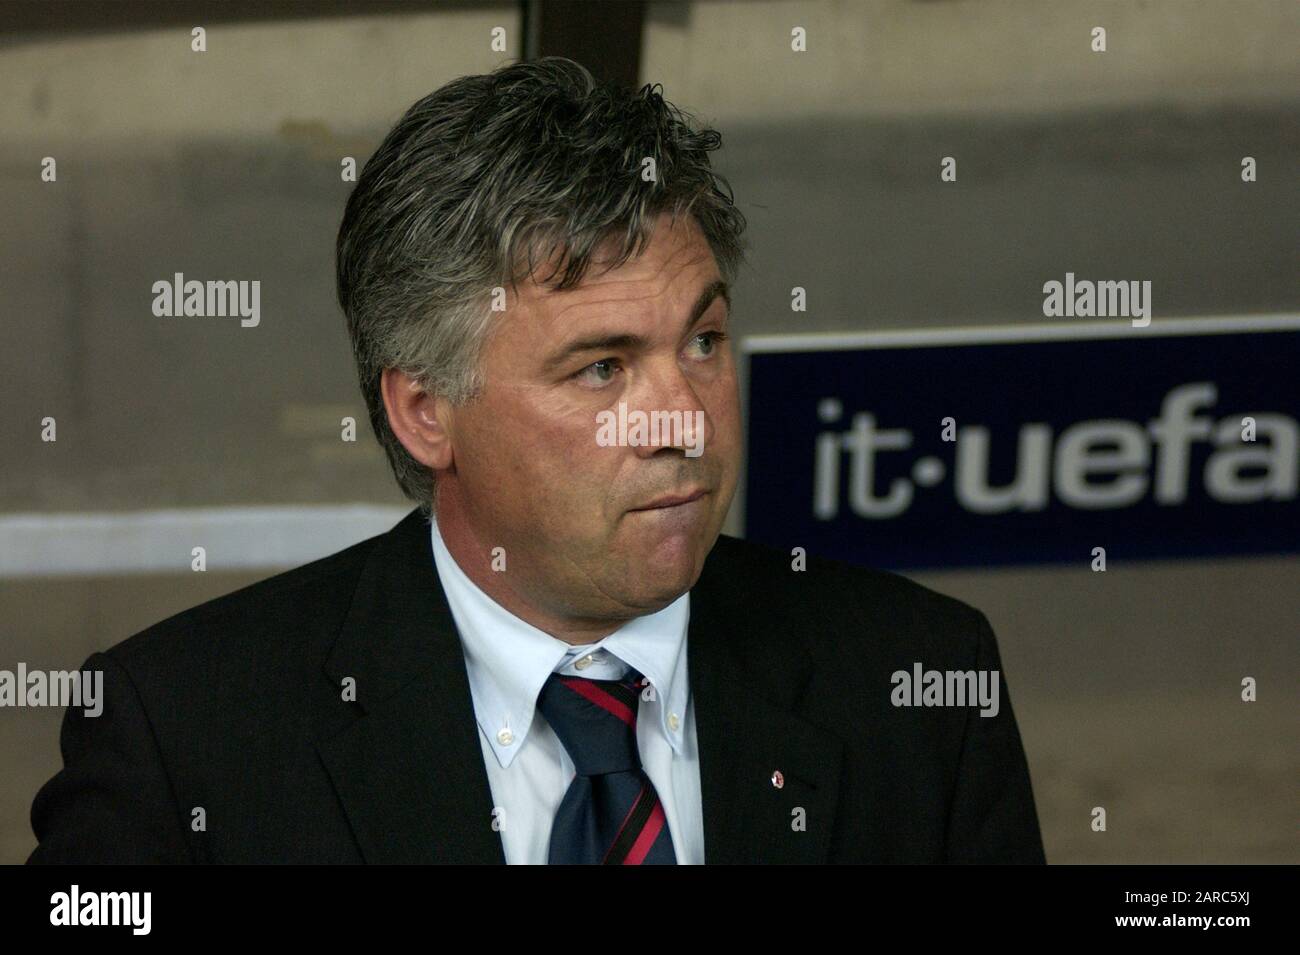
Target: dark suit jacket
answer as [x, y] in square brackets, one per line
[235, 707]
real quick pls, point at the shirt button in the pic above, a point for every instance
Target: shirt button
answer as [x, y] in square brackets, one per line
[673, 722]
[505, 737]
[584, 662]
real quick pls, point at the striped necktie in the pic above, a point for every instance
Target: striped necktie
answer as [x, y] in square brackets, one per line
[611, 813]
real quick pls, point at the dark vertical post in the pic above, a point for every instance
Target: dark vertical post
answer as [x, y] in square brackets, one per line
[605, 37]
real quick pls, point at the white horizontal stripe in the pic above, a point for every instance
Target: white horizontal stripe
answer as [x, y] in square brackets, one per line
[138, 542]
[1065, 329]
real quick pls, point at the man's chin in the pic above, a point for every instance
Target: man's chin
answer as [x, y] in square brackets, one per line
[665, 573]
[664, 561]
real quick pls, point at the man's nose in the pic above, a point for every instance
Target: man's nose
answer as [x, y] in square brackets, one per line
[676, 417]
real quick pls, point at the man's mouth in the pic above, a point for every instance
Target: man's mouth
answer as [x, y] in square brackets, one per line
[673, 500]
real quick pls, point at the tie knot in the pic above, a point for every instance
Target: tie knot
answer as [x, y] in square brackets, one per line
[595, 720]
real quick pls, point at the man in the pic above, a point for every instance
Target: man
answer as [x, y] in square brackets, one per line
[556, 657]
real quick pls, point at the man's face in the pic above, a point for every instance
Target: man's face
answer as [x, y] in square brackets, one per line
[528, 472]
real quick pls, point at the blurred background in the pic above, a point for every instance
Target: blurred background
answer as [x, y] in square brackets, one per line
[226, 164]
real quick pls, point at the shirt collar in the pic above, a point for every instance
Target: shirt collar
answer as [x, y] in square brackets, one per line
[508, 660]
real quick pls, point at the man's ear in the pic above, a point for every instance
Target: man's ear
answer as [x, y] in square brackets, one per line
[421, 422]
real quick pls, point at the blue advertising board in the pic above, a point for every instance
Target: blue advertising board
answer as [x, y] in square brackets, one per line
[1027, 444]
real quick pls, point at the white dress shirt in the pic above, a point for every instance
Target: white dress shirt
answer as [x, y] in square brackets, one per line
[508, 661]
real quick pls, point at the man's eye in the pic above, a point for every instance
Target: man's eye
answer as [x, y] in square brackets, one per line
[711, 339]
[604, 372]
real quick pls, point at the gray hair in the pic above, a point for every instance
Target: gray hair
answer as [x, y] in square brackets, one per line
[477, 177]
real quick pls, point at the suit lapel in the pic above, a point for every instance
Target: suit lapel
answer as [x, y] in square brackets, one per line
[408, 766]
[746, 685]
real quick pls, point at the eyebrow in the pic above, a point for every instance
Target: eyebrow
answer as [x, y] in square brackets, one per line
[628, 341]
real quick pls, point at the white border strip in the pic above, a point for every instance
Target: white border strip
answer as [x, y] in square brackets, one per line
[148, 542]
[1066, 330]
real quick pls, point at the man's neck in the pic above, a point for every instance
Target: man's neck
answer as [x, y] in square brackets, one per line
[474, 558]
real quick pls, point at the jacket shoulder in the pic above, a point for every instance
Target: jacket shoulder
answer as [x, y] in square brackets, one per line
[841, 583]
[294, 601]
[839, 606]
